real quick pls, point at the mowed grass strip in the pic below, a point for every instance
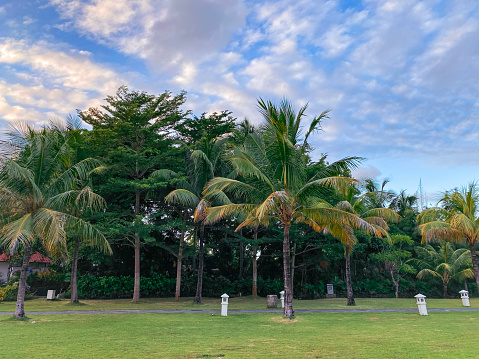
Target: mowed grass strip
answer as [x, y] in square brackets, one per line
[331, 335]
[41, 304]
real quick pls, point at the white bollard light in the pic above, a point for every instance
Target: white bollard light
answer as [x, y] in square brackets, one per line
[50, 294]
[465, 298]
[224, 305]
[421, 304]
[282, 298]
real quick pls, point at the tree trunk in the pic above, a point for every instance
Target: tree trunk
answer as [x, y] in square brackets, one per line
[293, 262]
[288, 295]
[195, 240]
[395, 282]
[136, 285]
[178, 266]
[349, 283]
[199, 286]
[474, 263]
[254, 289]
[19, 310]
[73, 282]
[241, 260]
[445, 290]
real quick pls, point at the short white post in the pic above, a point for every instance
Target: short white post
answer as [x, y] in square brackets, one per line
[282, 298]
[465, 298]
[50, 294]
[421, 304]
[224, 305]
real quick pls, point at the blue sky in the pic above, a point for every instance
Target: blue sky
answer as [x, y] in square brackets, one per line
[399, 76]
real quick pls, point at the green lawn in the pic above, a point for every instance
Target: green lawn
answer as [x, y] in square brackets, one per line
[345, 335]
[234, 303]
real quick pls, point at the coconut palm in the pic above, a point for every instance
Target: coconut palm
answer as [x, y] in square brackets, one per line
[203, 163]
[376, 217]
[456, 221]
[445, 263]
[272, 185]
[377, 195]
[39, 184]
[403, 202]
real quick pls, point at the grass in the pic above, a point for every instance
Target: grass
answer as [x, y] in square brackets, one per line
[41, 304]
[330, 335]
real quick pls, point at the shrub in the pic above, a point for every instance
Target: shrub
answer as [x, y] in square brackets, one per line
[91, 287]
[9, 293]
[46, 278]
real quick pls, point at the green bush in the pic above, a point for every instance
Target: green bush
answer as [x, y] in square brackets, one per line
[9, 292]
[91, 287]
[45, 278]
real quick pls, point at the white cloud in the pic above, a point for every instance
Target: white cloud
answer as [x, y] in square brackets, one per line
[72, 69]
[169, 33]
[335, 41]
[366, 172]
[27, 20]
[56, 84]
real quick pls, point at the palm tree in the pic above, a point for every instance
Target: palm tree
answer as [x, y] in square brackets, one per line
[272, 184]
[85, 200]
[402, 202]
[445, 263]
[457, 220]
[203, 163]
[377, 195]
[38, 189]
[376, 217]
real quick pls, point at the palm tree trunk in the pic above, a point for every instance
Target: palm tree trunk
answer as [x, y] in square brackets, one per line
[349, 284]
[136, 285]
[195, 240]
[20, 310]
[199, 286]
[475, 267]
[445, 290]
[254, 289]
[178, 266]
[73, 282]
[288, 295]
[293, 262]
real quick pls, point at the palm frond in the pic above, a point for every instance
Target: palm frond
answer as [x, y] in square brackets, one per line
[182, 197]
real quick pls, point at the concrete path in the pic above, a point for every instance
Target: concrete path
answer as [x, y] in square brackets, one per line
[234, 311]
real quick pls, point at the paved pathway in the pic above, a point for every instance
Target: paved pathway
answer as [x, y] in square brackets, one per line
[231, 311]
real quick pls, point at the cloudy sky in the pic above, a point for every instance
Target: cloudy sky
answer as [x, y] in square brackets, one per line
[399, 76]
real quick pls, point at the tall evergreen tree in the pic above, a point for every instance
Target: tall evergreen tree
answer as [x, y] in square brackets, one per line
[132, 134]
